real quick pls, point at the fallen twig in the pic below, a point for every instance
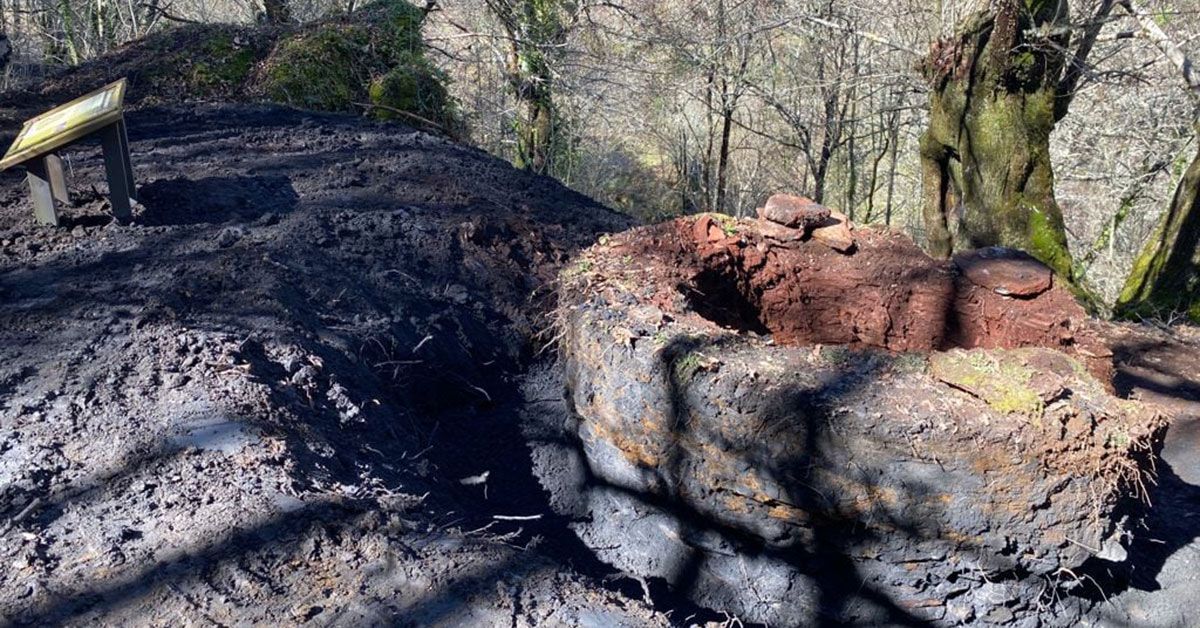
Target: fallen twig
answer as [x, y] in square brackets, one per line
[15, 521]
[401, 112]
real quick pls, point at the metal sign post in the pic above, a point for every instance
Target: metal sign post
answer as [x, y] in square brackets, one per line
[98, 114]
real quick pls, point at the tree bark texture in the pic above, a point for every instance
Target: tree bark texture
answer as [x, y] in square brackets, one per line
[985, 157]
[1166, 275]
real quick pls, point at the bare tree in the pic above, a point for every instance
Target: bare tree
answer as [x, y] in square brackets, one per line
[1166, 275]
[536, 31]
[277, 11]
[817, 92]
[721, 42]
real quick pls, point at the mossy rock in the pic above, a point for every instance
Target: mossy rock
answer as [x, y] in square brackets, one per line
[320, 70]
[418, 89]
[1018, 381]
[374, 56]
[226, 63]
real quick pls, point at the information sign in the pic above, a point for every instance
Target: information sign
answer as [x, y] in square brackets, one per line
[99, 114]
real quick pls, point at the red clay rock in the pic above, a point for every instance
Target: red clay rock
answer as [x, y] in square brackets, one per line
[921, 472]
[883, 292]
[835, 232]
[1007, 272]
[796, 212]
[887, 294]
[986, 314]
[706, 229]
[777, 232]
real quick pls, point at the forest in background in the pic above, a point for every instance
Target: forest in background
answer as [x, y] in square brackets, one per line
[662, 108]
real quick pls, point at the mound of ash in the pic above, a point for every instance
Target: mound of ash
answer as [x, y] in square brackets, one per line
[805, 424]
[235, 409]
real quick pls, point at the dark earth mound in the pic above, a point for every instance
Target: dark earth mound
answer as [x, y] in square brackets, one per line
[245, 406]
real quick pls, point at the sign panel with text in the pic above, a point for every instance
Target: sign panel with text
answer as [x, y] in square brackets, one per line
[65, 124]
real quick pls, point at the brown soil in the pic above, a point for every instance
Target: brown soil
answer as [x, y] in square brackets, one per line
[760, 276]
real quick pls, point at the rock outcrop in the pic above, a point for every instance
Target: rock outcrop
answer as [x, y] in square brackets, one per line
[790, 432]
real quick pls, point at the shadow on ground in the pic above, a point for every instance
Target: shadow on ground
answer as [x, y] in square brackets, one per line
[209, 200]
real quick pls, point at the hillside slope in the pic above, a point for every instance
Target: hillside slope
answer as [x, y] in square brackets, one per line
[236, 408]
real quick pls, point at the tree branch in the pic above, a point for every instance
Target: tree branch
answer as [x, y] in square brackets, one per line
[1169, 48]
[1070, 81]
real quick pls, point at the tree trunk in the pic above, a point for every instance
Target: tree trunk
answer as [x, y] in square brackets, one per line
[529, 72]
[828, 138]
[986, 154]
[5, 51]
[851, 160]
[1166, 276]
[891, 191]
[533, 28]
[723, 160]
[68, 27]
[536, 132]
[277, 11]
[710, 138]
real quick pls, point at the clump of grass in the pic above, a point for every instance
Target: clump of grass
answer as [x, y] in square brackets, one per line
[687, 367]
[835, 354]
[1004, 384]
[225, 64]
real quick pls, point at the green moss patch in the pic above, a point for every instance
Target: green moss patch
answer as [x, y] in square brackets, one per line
[226, 63]
[321, 70]
[373, 56]
[414, 91]
[194, 62]
[1047, 242]
[377, 57]
[1001, 379]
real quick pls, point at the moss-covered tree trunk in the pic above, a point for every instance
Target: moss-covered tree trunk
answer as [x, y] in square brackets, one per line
[535, 30]
[985, 157]
[1166, 276]
[277, 11]
[531, 79]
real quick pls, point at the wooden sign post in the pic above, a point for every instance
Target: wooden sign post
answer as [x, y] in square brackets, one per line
[98, 114]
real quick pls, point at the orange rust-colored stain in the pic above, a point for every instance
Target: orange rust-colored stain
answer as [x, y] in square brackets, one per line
[632, 450]
[988, 462]
[737, 503]
[786, 512]
[962, 540]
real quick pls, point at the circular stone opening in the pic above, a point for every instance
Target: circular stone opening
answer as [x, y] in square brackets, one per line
[798, 424]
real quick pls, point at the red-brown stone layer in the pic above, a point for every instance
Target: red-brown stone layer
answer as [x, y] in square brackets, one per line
[885, 292]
